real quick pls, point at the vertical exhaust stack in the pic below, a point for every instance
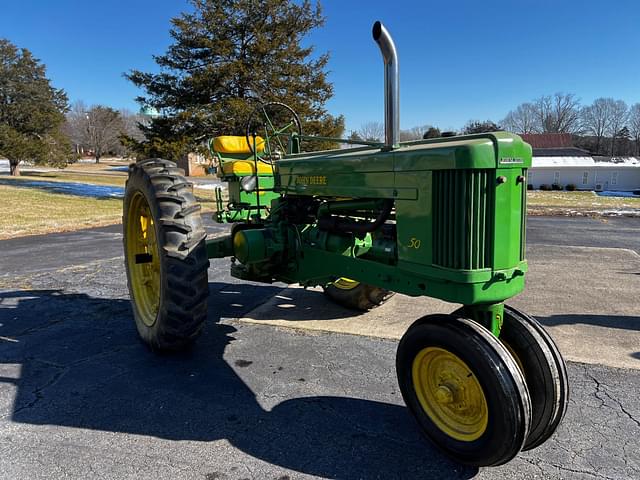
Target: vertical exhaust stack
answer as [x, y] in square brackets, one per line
[391, 86]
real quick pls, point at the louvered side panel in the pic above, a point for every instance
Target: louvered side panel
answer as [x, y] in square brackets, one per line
[461, 225]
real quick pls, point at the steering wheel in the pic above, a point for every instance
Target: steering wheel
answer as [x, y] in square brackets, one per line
[275, 122]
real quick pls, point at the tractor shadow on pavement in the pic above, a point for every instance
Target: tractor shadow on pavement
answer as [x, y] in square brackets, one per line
[623, 322]
[82, 366]
[304, 305]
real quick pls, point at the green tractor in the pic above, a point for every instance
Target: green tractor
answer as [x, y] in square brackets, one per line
[442, 217]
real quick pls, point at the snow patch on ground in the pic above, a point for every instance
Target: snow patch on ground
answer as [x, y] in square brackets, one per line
[617, 194]
[600, 213]
[621, 212]
[205, 186]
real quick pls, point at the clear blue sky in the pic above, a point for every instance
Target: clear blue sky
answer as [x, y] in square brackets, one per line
[459, 60]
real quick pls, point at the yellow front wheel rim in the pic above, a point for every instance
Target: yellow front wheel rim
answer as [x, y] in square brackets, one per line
[345, 283]
[514, 355]
[450, 394]
[144, 274]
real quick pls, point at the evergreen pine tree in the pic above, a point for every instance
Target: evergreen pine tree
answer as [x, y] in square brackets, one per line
[31, 111]
[476, 126]
[225, 55]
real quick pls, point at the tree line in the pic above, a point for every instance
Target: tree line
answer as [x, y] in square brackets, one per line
[224, 60]
[221, 64]
[374, 132]
[605, 127]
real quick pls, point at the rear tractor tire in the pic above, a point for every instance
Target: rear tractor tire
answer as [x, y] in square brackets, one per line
[355, 295]
[165, 255]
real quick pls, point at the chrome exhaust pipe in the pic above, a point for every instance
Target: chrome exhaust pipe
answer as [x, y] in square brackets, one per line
[391, 86]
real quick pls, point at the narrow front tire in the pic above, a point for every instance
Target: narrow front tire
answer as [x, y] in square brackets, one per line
[464, 389]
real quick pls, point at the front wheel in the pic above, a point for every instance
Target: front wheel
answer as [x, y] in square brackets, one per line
[464, 389]
[165, 255]
[544, 370]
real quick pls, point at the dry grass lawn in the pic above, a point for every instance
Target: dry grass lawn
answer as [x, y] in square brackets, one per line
[42, 212]
[30, 211]
[578, 202]
[37, 211]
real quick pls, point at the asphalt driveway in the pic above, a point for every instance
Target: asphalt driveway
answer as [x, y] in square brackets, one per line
[81, 397]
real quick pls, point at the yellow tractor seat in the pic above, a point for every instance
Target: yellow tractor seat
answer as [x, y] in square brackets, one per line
[245, 167]
[236, 157]
[235, 144]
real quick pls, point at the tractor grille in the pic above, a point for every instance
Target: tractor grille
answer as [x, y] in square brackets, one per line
[462, 218]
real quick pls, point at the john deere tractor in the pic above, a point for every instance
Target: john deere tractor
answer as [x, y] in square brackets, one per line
[443, 217]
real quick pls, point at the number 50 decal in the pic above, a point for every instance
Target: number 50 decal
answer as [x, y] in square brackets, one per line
[414, 243]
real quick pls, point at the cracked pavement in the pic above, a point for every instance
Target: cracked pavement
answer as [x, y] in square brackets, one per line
[81, 397]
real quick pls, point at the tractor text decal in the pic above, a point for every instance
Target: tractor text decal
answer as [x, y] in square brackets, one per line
[414, 243]
[311, 180]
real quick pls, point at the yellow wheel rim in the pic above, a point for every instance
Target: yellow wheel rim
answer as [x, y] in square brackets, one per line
[514, 355]
[450, 394]
[141, 241]
[345, 283]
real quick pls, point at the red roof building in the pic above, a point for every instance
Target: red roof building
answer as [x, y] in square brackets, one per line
[548, 140]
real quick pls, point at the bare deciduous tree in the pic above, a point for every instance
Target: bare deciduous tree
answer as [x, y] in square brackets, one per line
[558, 113]
[619, 115]
[634, 126]
[97, 128]
[103, 128]
[521, 120]
[596, 119]
[131, 128]
[372, 131]
[75, 125]
[414, 133]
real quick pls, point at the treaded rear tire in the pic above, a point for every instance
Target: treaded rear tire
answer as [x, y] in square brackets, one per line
[180, 236]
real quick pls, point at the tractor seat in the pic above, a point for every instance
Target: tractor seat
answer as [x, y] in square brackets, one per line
[245, 167]
[236, 157]
[235, 144]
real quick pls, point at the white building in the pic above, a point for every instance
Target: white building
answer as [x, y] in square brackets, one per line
[557, 161]
[586, 173]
